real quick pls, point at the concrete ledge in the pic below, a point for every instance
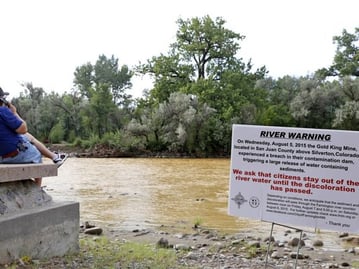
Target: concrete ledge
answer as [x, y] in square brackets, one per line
[15, 172]
[39, 233]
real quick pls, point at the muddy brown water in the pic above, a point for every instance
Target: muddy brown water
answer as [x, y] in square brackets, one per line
[140, 193]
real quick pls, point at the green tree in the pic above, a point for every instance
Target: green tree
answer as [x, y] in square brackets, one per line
[101, 107]
[179, 125]
[70, 106]
[277, 115]
[347, 115]
[315, 104]
[204, 49]
[88, 77]
[28, 106]
[346, 59]
[169, 74]
[280, 93]
[203, 63]
[208, 45]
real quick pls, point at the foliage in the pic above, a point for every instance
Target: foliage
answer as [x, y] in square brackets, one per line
[57, 133]
[201, 88]
[207, 44]
[88, 79]
[315, 103]
[347, 115]
[346, 59]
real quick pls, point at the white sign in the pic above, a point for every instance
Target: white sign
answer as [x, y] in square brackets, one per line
[297, 176]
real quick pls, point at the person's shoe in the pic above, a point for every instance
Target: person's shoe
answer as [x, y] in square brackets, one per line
[60, 159]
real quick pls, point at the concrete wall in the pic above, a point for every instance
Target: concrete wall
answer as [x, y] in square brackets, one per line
[31, 223]
[40, 233]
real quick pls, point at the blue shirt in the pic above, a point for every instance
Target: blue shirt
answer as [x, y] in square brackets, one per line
[8, 136]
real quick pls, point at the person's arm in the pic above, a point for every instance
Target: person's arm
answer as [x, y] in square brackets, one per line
[22, 129]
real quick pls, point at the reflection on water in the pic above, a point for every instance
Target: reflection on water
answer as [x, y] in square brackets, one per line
[129, 192]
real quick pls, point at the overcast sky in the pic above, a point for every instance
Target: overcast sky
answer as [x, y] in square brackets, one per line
[43, 41]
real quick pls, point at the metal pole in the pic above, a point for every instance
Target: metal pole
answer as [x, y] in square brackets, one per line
[296, 258]
[270, 240]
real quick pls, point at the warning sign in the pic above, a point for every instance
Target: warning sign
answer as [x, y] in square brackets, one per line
[297, 176]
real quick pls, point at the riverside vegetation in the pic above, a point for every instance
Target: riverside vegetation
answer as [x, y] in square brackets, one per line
[200, 88]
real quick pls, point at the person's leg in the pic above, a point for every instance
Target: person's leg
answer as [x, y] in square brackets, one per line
[41, 147]
[57, 158]
[38, 181]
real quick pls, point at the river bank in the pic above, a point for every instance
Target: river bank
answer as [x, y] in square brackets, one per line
[206, 248]
[202, 248]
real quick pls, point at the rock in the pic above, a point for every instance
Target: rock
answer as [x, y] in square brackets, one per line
[267, 239]
[343, 235]
[301, 256]
[93, 231]
[352, 240]
[88, 225]
[318, 243]
[276, 255]
[162, 243]
[255, 244]
[182, 247]
[236, 242]
[192, 256]
[295, 241]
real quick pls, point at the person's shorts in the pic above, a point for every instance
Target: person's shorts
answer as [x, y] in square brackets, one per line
[28, 153]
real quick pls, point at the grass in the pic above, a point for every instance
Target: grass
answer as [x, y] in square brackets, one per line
[102, 253]
[197, 222]
[106, 254]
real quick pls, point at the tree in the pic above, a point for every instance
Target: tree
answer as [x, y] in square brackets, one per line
[179, 125]
[169, 75]
[280, 93]
[28, 106]
[106, 71]
[71, 106]
[101, 107]
[203, 50]
[347, 115]
[207, 44]
[346, 59]
[315, 104]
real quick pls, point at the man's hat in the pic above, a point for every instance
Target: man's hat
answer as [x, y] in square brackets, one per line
[2, 93]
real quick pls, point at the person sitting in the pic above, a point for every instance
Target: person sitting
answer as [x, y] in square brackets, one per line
[17, 145]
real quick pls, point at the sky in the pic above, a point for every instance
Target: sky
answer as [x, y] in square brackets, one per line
[44, 41]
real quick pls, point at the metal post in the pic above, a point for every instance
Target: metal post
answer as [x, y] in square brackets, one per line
[296, 258]
[270, 240]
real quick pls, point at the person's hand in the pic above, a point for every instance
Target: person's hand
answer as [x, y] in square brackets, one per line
[12, 108]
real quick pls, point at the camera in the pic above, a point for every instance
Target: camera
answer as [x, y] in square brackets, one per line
[4, 101]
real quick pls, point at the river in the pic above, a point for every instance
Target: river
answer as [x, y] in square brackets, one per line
[141, 193]
[132, 193]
